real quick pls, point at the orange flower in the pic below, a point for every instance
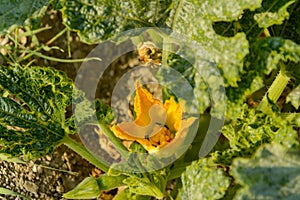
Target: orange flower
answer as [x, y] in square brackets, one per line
[156, 124]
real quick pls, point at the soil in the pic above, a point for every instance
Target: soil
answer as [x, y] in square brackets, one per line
[45, 178]
[51, 176]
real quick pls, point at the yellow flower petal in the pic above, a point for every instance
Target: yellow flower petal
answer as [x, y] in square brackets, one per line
[156, 126]
[174, 114]
[143, 101]
[124, 136]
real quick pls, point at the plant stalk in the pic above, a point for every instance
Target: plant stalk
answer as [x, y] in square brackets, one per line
[114, 140]
[84, 153]
[60, 59]
[274, 92]
[56, 36]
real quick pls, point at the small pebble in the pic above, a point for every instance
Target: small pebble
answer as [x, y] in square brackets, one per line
[34, 168]
[31, 187]
[48, 157]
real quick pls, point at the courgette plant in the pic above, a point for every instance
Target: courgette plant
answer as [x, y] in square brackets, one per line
[253, 43]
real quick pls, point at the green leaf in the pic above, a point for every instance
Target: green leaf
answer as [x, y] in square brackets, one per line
[10, 192]
[107, 182]
[182, 65]
[267, 19]
[8, 158]
[96, 21]
[266, 55]
[203, 180]
[104, 112]
[125, 194]
[142, 186]
[251, 130]
[294, 97]
[273, 173]
[269, 51]
[290, 29]
[227, 52]
[200, 85]
[16, 12]
[87, 111]
[87, 189]
[148, 184]
[92, 187]
[32, 114]
[122, 194]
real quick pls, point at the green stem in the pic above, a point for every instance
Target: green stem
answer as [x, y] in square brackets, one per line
[59, 170]
[64, 60]
[16, 44]
[84, 153]
[267, 32]
[114, 140]
[176, 173]
[28, 55]
[166, 49]
[56, 36]
[34, 32]
[274, 92]
[69, 43]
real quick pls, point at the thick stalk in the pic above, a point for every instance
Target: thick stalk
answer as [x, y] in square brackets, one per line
[84, 153]
[274, 92]
[114, 140]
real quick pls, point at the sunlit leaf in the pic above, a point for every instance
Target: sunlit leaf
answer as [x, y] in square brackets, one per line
[32, 114]
[96, 21]
[294, 97]
[252, 129]
[268, 18]
[227, 52]
[273, 173]
[202, 180]
[87, 189]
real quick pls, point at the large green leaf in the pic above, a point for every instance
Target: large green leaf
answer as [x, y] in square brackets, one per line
[268, 18]
[203, 180]
[273, 173]
[148, 184]
[242, 67]
[96, 20]
[16, 12]
[266, 55]
[290, 29]
[251, 130]
[227, 52]
[32, 111]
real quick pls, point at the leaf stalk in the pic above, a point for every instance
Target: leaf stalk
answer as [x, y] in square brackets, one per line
[84, 153]
[274, 92]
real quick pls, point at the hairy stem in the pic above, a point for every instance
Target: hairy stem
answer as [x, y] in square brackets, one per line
[84, 153]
